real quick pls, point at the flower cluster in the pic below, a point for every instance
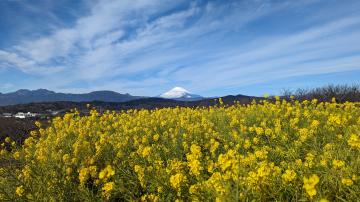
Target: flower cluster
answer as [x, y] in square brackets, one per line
[309, 185]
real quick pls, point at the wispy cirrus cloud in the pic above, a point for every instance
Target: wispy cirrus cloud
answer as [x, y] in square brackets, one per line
[307, 52]
[134, 46]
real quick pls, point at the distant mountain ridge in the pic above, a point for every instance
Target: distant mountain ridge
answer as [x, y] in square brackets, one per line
[24, 96]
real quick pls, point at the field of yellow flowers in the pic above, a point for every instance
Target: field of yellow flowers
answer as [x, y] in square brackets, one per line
[283, 151]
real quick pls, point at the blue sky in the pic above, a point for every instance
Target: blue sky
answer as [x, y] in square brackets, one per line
[146, 47]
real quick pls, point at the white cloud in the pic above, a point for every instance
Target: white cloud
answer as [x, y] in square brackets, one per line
[87, 43]
[10, 59]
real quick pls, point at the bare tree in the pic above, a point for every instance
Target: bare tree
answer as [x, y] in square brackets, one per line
[341, 93]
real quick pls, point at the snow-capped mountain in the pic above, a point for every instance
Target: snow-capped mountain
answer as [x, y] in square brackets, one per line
[179, 93]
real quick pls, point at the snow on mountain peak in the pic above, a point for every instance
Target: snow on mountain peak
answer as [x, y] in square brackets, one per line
[176, 92]
[179, 89]
[179, 93]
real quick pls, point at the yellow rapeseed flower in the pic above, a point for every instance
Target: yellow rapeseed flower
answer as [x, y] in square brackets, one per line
[108, 187]
[177, 180]
[146, 151]
[20, 190]
[354, 141]
[338, 163]
[289, 175]
[309, 185]
[347, 181]
[107, 172]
